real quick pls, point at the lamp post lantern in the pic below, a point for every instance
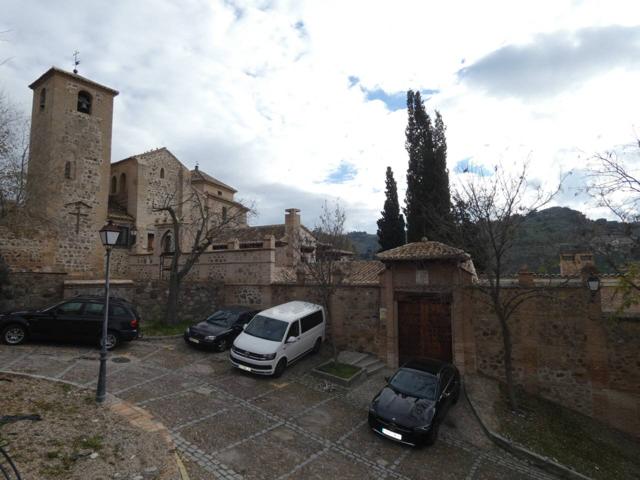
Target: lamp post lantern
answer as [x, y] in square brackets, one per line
[109, 236]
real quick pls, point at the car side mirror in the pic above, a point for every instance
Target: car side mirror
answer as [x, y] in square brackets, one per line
[292, 339]
[386, 379]
[244, 326]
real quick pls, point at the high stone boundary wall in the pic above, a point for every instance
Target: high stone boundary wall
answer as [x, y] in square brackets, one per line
[566, 350]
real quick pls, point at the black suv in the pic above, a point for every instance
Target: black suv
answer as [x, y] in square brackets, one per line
[78, 318]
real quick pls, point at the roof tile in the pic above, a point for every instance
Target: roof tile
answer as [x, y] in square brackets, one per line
[424, 250]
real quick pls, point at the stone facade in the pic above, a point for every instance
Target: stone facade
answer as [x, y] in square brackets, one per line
[70, 155]
[566, 349]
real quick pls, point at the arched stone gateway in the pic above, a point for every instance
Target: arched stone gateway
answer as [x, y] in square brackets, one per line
[424, 306]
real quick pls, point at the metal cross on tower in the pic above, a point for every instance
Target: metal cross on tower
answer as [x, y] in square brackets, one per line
[76, 61]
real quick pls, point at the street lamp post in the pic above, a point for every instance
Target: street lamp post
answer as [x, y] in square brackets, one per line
[109, 235]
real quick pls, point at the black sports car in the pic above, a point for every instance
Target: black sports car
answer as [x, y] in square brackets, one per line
[219, 330]
[415, 401]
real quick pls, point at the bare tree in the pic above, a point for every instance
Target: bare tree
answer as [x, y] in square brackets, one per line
[195, 228]
[615, 185]
[497, 205]
[14, 154]
[329, 271]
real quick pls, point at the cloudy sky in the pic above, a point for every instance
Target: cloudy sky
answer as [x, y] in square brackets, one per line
[293, 102]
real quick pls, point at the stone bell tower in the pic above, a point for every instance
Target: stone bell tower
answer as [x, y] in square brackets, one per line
[69, 165]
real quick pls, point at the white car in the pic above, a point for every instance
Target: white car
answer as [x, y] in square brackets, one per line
[279, 336]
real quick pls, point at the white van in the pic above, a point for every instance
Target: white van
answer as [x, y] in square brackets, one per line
[277, 337]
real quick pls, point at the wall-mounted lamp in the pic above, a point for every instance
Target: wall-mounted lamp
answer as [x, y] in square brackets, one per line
[593, 283]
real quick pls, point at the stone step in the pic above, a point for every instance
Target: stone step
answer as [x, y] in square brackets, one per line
[374, 367]
[351, 358]
[365, 362]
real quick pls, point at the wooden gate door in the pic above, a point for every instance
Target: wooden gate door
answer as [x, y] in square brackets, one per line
[424, 330]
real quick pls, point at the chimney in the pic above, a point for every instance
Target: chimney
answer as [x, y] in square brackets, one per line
[525, 277]
[292, 219]
[292, 233]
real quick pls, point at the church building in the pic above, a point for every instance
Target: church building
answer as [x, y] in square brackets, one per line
[75, 188]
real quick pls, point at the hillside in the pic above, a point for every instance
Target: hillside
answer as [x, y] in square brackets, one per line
[545, 235]
[365, 244]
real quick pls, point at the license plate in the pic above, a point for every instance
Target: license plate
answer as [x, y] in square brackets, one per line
[194, 340]
[242, 367]
[391, 434]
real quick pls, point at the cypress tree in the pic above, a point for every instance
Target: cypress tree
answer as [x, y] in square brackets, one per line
[427, 201]
[391, 232]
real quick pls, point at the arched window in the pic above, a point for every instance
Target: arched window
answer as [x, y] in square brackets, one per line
[162, 173]
[123, 183]
[67, 170]
[167, 243]
[84, 102]
[43, 98]
[114, 185]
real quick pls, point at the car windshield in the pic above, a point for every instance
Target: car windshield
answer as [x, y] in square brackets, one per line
[223, 318]
[267, 328]
[414, 383]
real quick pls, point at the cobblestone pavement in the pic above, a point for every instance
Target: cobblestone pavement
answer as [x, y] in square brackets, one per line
[231, 425]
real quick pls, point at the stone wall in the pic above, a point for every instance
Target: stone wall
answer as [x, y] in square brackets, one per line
[196, 300]
[355, 322]
[251, 266]
[26, 250]
[31, 290]
[566, 350]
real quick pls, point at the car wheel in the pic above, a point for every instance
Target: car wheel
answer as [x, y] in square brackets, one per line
[317, 345]
[14, 334]
[432, 436]
[112, 340]
[222, 345]
[282, 364]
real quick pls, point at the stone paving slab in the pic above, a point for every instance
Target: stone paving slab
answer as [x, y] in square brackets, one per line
[332, 465]
[367, 443]
[217, 432]
[491, 471]
[270, 455]
[36, 364]
[133, 375]
[245, 386]
[82, 372]
[230, 425]
[277, 401]
[173, 358]
[330, 420]
[435, 462]
[177, 410]
[159, 387]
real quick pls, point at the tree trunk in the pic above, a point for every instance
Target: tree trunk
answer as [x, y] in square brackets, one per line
[171, 315]
[508, 368]
[329, 321]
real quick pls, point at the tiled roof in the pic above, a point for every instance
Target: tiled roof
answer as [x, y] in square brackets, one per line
[358, 272]
[253, 234]
[363, 272]
[424, 250]
[199, 175]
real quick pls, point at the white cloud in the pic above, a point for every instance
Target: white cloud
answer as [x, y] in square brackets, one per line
[258, 92]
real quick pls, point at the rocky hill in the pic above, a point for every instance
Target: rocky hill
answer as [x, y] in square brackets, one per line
[548, 233]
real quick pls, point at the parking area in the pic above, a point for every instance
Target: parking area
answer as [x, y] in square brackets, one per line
[231, 425]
